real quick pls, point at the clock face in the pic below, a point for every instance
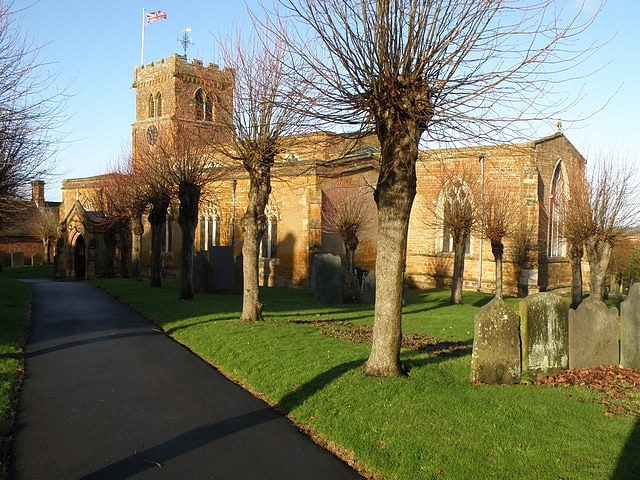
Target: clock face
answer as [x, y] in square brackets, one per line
[152, 134]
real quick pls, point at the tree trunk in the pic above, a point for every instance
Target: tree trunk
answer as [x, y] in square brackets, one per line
[254, 225]
[136, 244]
[576, 275]
[46, 257]
[189, 196]
[125, 249]
[459, 242]
[497, 248]
[394, 194]
[598, 254]
[157, 219]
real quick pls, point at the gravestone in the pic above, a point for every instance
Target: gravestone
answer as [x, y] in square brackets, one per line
[202, 274]
[593, 335]
[369, 287]
[544, 332]
[630, 329]
[327, 270]
[224, 269]
[17, 259]
[496, 345]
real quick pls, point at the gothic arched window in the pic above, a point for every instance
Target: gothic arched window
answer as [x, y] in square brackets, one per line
[455, 211]
[269, 241]
[557, 242]
[158, 111]
[151, 107]
[203, 106]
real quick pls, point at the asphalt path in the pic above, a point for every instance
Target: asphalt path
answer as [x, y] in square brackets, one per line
[107, 396]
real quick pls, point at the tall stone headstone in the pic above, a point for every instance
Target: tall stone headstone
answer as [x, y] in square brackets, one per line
[327, 269]
[496, 345]
[630, 329]
[223, 268]
[593, 335]
[544, 331]
[369, 288]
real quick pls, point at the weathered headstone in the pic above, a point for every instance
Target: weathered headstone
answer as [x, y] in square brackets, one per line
[630, 329]
[544, 332]
[327, 269]
[593, 335]
[224, 270]
[202, 274]
[496, 345]
[369, 287]
[17, 259]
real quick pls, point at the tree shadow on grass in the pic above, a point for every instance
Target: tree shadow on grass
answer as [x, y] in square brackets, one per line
[294, 399]
[628, 467]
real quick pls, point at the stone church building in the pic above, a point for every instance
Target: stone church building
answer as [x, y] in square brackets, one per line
[327, 169]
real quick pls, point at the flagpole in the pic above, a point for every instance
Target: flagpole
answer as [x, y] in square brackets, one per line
[142, 48]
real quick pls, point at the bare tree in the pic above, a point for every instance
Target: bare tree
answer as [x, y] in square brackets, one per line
[30, 113]
[152, 190]
[457, 212]
[346, 211]
[183, 163]
[613, 214]
[44, 224]
[501, 213]
[265, 114]
[456, 69]
[575, 213]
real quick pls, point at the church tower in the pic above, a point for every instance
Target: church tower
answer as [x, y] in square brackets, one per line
[173, 92]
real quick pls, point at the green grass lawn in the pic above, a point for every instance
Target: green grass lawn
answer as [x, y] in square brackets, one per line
[432, 424]
[14, 315]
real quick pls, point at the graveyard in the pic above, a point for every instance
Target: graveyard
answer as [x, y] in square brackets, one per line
[306, 359]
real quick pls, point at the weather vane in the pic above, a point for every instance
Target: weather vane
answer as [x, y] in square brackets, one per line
[185, 40]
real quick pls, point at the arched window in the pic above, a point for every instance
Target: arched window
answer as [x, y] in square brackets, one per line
[152, 107]
[199, 101]
[456, 212]
[557, 242]
[158, 111]
[269, 241]
[203, 106]
[209, 228]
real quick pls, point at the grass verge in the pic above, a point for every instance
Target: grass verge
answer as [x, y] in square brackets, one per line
[433, 424]
[14, 303]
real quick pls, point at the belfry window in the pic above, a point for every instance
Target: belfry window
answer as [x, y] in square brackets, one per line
[203, 106]
[158, 105]
[152, 107]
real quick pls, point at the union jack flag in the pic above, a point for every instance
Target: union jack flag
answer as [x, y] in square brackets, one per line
[157, 15]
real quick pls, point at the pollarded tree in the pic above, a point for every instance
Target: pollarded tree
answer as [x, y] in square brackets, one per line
[181, 160]
[457, 212]
[346, 211]
[613, 214]
[575, 213]
[30, 114]
[44, 224]
[265, 115]
[501, 215]
[455, 69]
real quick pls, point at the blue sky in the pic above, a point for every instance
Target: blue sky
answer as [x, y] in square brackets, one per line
[96, 46]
